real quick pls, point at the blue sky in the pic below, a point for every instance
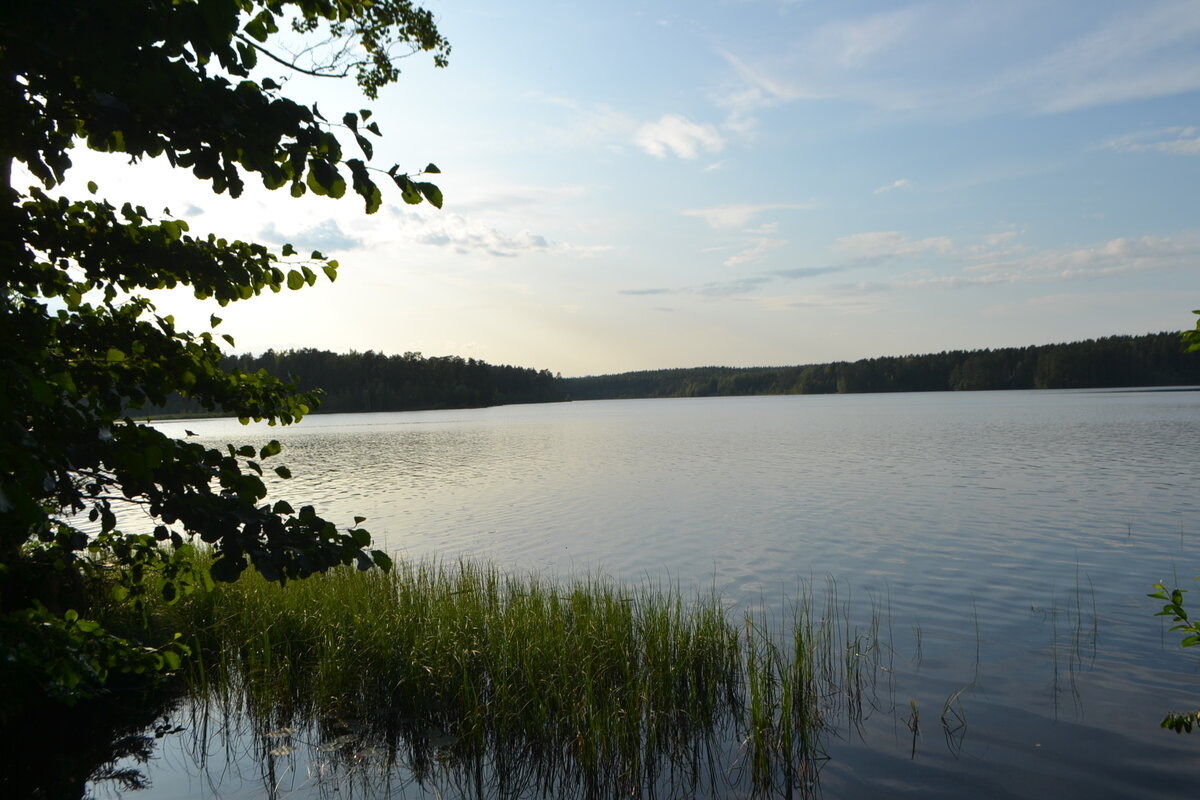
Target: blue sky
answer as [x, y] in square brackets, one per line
[645, 185]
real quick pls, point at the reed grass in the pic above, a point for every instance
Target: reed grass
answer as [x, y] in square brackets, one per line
[519, 685]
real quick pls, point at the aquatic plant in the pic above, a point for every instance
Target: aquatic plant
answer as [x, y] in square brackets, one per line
[519, 685]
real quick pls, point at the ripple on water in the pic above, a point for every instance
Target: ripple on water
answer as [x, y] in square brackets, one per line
[1006, 539]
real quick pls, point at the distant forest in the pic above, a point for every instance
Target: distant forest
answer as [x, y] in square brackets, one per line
[371, 381]
[375, 382]
[1157, 359]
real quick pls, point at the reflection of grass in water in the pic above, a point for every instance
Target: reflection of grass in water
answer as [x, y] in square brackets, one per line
[1074, 650]
[954, 721]
[503, 685]
[914, 725]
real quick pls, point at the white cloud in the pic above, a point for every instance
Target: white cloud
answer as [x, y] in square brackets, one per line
[969, 59]
[998, 239]
[1114, 257]
[893, 185]
[738, 215]
[891, 244]
[853, 43]
[677, 134]
[755, 252]
[1147, 51]
[766, 88]
[326, 235]
[464, 236]
[1178, 140]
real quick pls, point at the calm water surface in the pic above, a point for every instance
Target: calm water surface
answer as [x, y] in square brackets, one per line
[1006, 540]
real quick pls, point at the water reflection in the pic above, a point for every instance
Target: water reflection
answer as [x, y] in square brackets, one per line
[1013, 535]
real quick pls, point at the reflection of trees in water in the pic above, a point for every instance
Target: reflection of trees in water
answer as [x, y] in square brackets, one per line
[94, 749]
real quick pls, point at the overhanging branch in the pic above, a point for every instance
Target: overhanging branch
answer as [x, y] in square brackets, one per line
[289, 64]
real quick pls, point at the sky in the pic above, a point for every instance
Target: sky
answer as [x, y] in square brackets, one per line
[643, 185]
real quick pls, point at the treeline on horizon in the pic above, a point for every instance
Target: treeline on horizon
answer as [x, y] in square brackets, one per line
[1156, 359]
[370, 381]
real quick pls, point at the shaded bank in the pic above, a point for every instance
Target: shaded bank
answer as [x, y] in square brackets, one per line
[97, 748]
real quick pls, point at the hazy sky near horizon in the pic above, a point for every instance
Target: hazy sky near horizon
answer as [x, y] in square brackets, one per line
[636, 185]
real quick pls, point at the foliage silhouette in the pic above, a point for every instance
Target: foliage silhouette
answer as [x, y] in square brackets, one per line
[82, 344]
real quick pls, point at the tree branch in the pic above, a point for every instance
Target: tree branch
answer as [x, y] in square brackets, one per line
[289, 64]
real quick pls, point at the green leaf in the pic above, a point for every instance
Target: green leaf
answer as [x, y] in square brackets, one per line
[364, 185]
[364, 145]
[432, 169]
[226, 569]
[324, 179]
[283, 472]
[92, 187]
[432, 193]
[295, 280]
[248, 54]
[261, 26]
[288, 250]
[114, 355]
[408, 191]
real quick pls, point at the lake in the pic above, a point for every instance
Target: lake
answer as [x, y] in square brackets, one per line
[1004, 542]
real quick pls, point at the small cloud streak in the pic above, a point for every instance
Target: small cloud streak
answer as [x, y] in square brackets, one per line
[678, 135]
[640, 292]
[1115, 257]
[734, 287]
[956, 58]
[999, 239]
[488, 240]
[891, 244]
[738, 215]
[754, 252]
[900, 184]
[323, 236]
[463, 236]
[806, 272]
[1178, 140]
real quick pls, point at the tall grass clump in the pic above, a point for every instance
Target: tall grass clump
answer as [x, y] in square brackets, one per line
[520, 686]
